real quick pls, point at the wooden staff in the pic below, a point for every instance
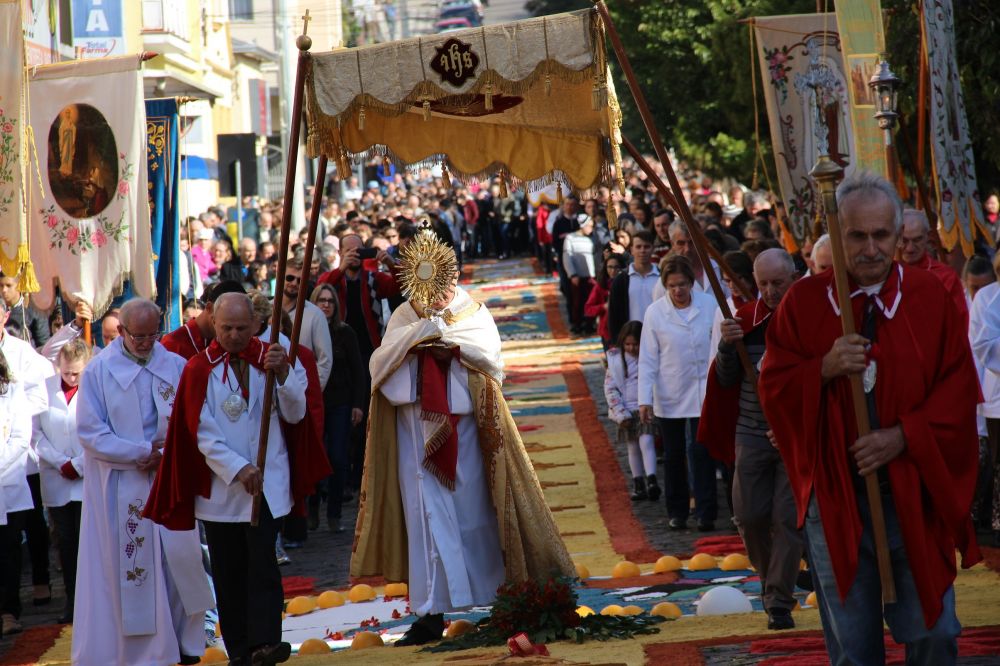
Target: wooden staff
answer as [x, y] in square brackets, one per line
[300, 302]
[668, 198]
[694, 229]
[304, 42]
[827, 173]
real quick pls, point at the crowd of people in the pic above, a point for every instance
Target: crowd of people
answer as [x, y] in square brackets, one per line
[677, 385]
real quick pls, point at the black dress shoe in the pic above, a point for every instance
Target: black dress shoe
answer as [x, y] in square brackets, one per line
[706, 526]
[425, 630]
[677, 524]
[268, 655]
[188, 660]
[779, 619]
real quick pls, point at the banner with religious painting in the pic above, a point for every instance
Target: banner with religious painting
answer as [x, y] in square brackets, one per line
[89, 210]
[15, 259]
[960, 210]
[163, 165]
[808, 108]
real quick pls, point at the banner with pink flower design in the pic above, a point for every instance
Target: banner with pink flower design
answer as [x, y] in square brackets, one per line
[90, 213]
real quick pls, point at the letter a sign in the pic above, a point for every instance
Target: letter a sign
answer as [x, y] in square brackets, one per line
[97, 28]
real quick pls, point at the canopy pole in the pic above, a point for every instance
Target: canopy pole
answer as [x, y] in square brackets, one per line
[694, 229]
[300, 302]
[827, 173]
[304, 42]
[668, 197]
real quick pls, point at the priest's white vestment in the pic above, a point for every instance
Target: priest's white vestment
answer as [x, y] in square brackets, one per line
[141, 589]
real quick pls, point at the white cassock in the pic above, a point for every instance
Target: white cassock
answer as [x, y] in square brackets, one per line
[15, 439]
[31, 369]
[141, 589]
[56, 443]
[229, 446]
[454, 549]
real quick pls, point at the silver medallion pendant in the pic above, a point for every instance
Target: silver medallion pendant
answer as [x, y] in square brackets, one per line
[869, 376]
[233, 406]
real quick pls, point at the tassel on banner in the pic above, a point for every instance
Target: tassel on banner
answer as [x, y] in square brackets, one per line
[503, 187]
[27, 281]
[612, 214]
[559, 193]
[386, 165]
[446, 175]
[361, 120]
[599, 95]
[488, 90]
[427, 110]
[548, 84]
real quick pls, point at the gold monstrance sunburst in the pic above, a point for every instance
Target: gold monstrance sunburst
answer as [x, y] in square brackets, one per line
[427, 266]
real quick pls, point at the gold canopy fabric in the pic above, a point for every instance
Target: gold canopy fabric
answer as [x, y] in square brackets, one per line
[531, 100]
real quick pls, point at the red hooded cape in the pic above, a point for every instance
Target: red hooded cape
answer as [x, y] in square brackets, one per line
[951, 281]
[721, 407]
[927, 384]
[183, 472]
[185, 341]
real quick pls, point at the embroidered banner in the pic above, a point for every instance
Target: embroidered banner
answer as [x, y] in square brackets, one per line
[90, 213]
[163, 162]
[807, 107]
[959, 209]
[15, 259]
[859, 23]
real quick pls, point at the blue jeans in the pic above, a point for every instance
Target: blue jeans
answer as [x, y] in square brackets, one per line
[853, 629]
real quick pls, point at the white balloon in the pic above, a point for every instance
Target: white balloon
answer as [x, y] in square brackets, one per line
[724, 600]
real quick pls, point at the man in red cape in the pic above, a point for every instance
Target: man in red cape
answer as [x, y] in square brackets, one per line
[195, 335]
[209, 472]
[921, 397]
[735, 431]
[914, 245]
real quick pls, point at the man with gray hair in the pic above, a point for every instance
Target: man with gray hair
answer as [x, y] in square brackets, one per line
[921, 388]
[914, 242]
[736, 432]
[141, 590]
[682, 244]
[822, 255]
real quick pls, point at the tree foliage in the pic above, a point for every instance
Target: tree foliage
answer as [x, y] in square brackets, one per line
[692, 59]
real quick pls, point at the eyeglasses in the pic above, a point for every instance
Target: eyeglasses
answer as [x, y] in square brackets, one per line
[325, 301]
[292, 278]
[139, 339]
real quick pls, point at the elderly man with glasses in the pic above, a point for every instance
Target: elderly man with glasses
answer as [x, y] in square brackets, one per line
[141, 589]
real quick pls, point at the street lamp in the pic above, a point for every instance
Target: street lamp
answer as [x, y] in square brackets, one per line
[885, 87]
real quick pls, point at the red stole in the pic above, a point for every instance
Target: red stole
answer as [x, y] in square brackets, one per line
[186, 341]
[926, 384]
[441, 450]
[721, 407]
[69, 391]
[183, 474]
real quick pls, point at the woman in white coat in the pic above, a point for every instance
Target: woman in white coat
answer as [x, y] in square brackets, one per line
[15, 494]
[674, 356]
[60, 460]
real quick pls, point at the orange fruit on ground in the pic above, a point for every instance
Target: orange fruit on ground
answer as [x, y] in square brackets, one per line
[735, 562]
[314, 646]
[213, 655]
[811, 600]
[459, 627]
[613, 609]
[582, 572]
[396, 590]
[631, 610]
[625, 569]
[666, 609]
[301, 606]
[330, 599]
[366, 639]
[361, 592]
[667, 563]
[701, 562]
[584, 611]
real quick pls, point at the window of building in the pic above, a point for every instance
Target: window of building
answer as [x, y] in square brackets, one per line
[240, 10]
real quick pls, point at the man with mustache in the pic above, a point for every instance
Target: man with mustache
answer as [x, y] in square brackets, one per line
[921, 390]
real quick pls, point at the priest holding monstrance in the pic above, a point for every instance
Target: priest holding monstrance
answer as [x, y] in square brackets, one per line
[450, 501]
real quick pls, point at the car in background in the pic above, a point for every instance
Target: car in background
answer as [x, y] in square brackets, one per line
[452, 24]
[466, 10]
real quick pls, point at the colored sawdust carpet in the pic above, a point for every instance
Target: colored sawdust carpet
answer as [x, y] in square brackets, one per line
[579, 472]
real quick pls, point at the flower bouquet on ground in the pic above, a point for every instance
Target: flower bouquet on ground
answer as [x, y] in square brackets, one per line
[545, 612]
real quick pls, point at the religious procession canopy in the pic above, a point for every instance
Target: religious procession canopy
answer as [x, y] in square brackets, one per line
[531, 101]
